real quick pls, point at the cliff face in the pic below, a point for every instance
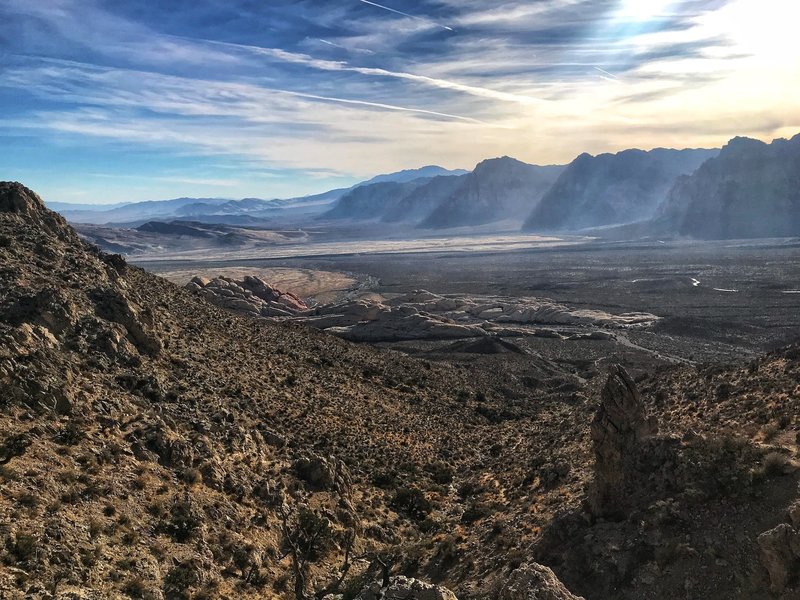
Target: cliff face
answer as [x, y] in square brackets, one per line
[751, 189]
[612, 188]
[498, 189]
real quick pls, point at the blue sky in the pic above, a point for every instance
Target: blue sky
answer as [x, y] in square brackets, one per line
[116, 100]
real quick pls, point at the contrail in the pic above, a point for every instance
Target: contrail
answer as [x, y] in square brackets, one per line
[329, 43]
[331, 65]
[379, 105]
[606, 73]
[399, 12]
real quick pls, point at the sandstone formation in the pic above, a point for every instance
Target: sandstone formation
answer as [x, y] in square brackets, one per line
[250, 295]
[418, 315]
[617, 430]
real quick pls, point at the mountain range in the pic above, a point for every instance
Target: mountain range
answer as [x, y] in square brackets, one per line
[748, 189]
[612, 188]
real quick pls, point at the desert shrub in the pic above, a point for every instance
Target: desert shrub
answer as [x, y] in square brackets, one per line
[192, 476]
[179, 579]
[723, 391]
[774, 464]
[25, 547]
[136, 587]
[440, 472]
[184, 521]
[475, 512]
[769, 431]
[313, 534]
[412, 501]
[352, 587]
[385, 479]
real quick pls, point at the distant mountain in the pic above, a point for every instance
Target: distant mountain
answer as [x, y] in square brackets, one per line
[412, 174]
[60, 206]
[136, 211]
[498, 189]
[227, 210]
[594, 191]
[423, 200]
[371, 201]
[751, 189]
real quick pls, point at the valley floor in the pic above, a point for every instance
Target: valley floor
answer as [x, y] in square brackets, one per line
[718, 301]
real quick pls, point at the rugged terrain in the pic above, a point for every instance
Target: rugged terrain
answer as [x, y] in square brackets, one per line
[153, 445]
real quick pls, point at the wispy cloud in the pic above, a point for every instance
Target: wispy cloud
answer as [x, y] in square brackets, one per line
[314, 89]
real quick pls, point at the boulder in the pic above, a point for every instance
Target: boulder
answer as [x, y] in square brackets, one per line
[535, 582]
[780, 555]
[323, 474]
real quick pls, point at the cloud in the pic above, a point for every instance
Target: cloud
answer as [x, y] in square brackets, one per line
[318, 89]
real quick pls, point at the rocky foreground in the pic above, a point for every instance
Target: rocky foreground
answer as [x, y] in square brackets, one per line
[153, 445]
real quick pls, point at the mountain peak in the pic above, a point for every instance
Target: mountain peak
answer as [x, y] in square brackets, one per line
[16, 198]
[26, 205]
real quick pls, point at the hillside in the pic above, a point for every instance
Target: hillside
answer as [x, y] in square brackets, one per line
[498, 189]
[750, 190]
[608, 189]
[154, 446]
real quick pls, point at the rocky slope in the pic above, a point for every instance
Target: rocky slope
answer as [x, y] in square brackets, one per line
[498, 189]
[750, 190]
[371, 201]
[153, 445]
[612, 188]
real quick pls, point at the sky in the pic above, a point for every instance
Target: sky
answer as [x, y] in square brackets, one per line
[121, 100]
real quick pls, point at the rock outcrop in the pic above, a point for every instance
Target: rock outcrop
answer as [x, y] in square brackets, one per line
[617, 431]
[251, 296]
[780, 551]
[29, 209]
[404, 588]
[535, 582]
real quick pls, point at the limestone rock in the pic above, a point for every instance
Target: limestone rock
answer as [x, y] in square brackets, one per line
[404, 588]
[618, 427]
[535, 582]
